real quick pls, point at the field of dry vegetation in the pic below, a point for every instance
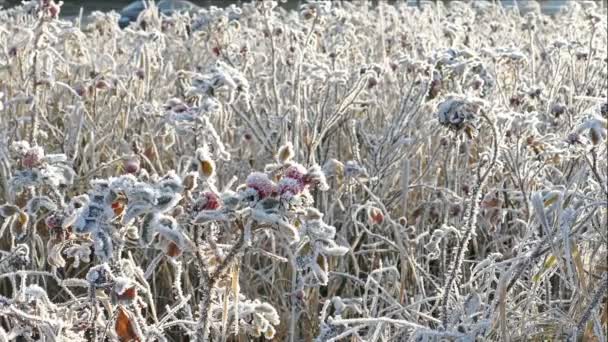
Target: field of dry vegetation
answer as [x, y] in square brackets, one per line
[344, 172]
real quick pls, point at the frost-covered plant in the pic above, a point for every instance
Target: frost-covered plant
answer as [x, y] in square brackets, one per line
[338, 171]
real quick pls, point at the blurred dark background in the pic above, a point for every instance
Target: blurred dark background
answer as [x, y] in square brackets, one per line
[72, 7]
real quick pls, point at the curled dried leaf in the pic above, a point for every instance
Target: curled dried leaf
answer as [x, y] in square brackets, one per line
[125, 328]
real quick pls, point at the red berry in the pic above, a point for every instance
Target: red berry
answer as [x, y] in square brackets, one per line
[208, 201]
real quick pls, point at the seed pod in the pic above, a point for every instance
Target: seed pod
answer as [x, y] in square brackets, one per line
[286, 153]
[375, 216]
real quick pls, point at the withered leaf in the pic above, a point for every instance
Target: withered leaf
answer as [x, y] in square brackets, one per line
[173, 250]
[124, 327]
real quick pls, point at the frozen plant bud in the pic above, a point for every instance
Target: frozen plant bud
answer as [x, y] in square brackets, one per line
[99, 275]
[286, 153]
[33, 157]
[131, 165]
[375, 215]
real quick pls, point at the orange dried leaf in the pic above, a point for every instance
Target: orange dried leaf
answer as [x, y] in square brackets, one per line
[118, 208]
[207, 167]
[128, 294]
[491, 202]
[124, 327]
[173, 250]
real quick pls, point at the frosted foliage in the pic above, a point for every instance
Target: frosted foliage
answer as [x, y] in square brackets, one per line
[304, 171]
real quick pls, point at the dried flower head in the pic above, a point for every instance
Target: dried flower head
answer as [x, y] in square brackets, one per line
[285, 153]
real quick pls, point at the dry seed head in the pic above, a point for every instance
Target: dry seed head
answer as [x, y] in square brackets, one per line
[285, 153]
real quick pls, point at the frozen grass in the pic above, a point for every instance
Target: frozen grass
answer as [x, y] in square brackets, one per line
[341, 173]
